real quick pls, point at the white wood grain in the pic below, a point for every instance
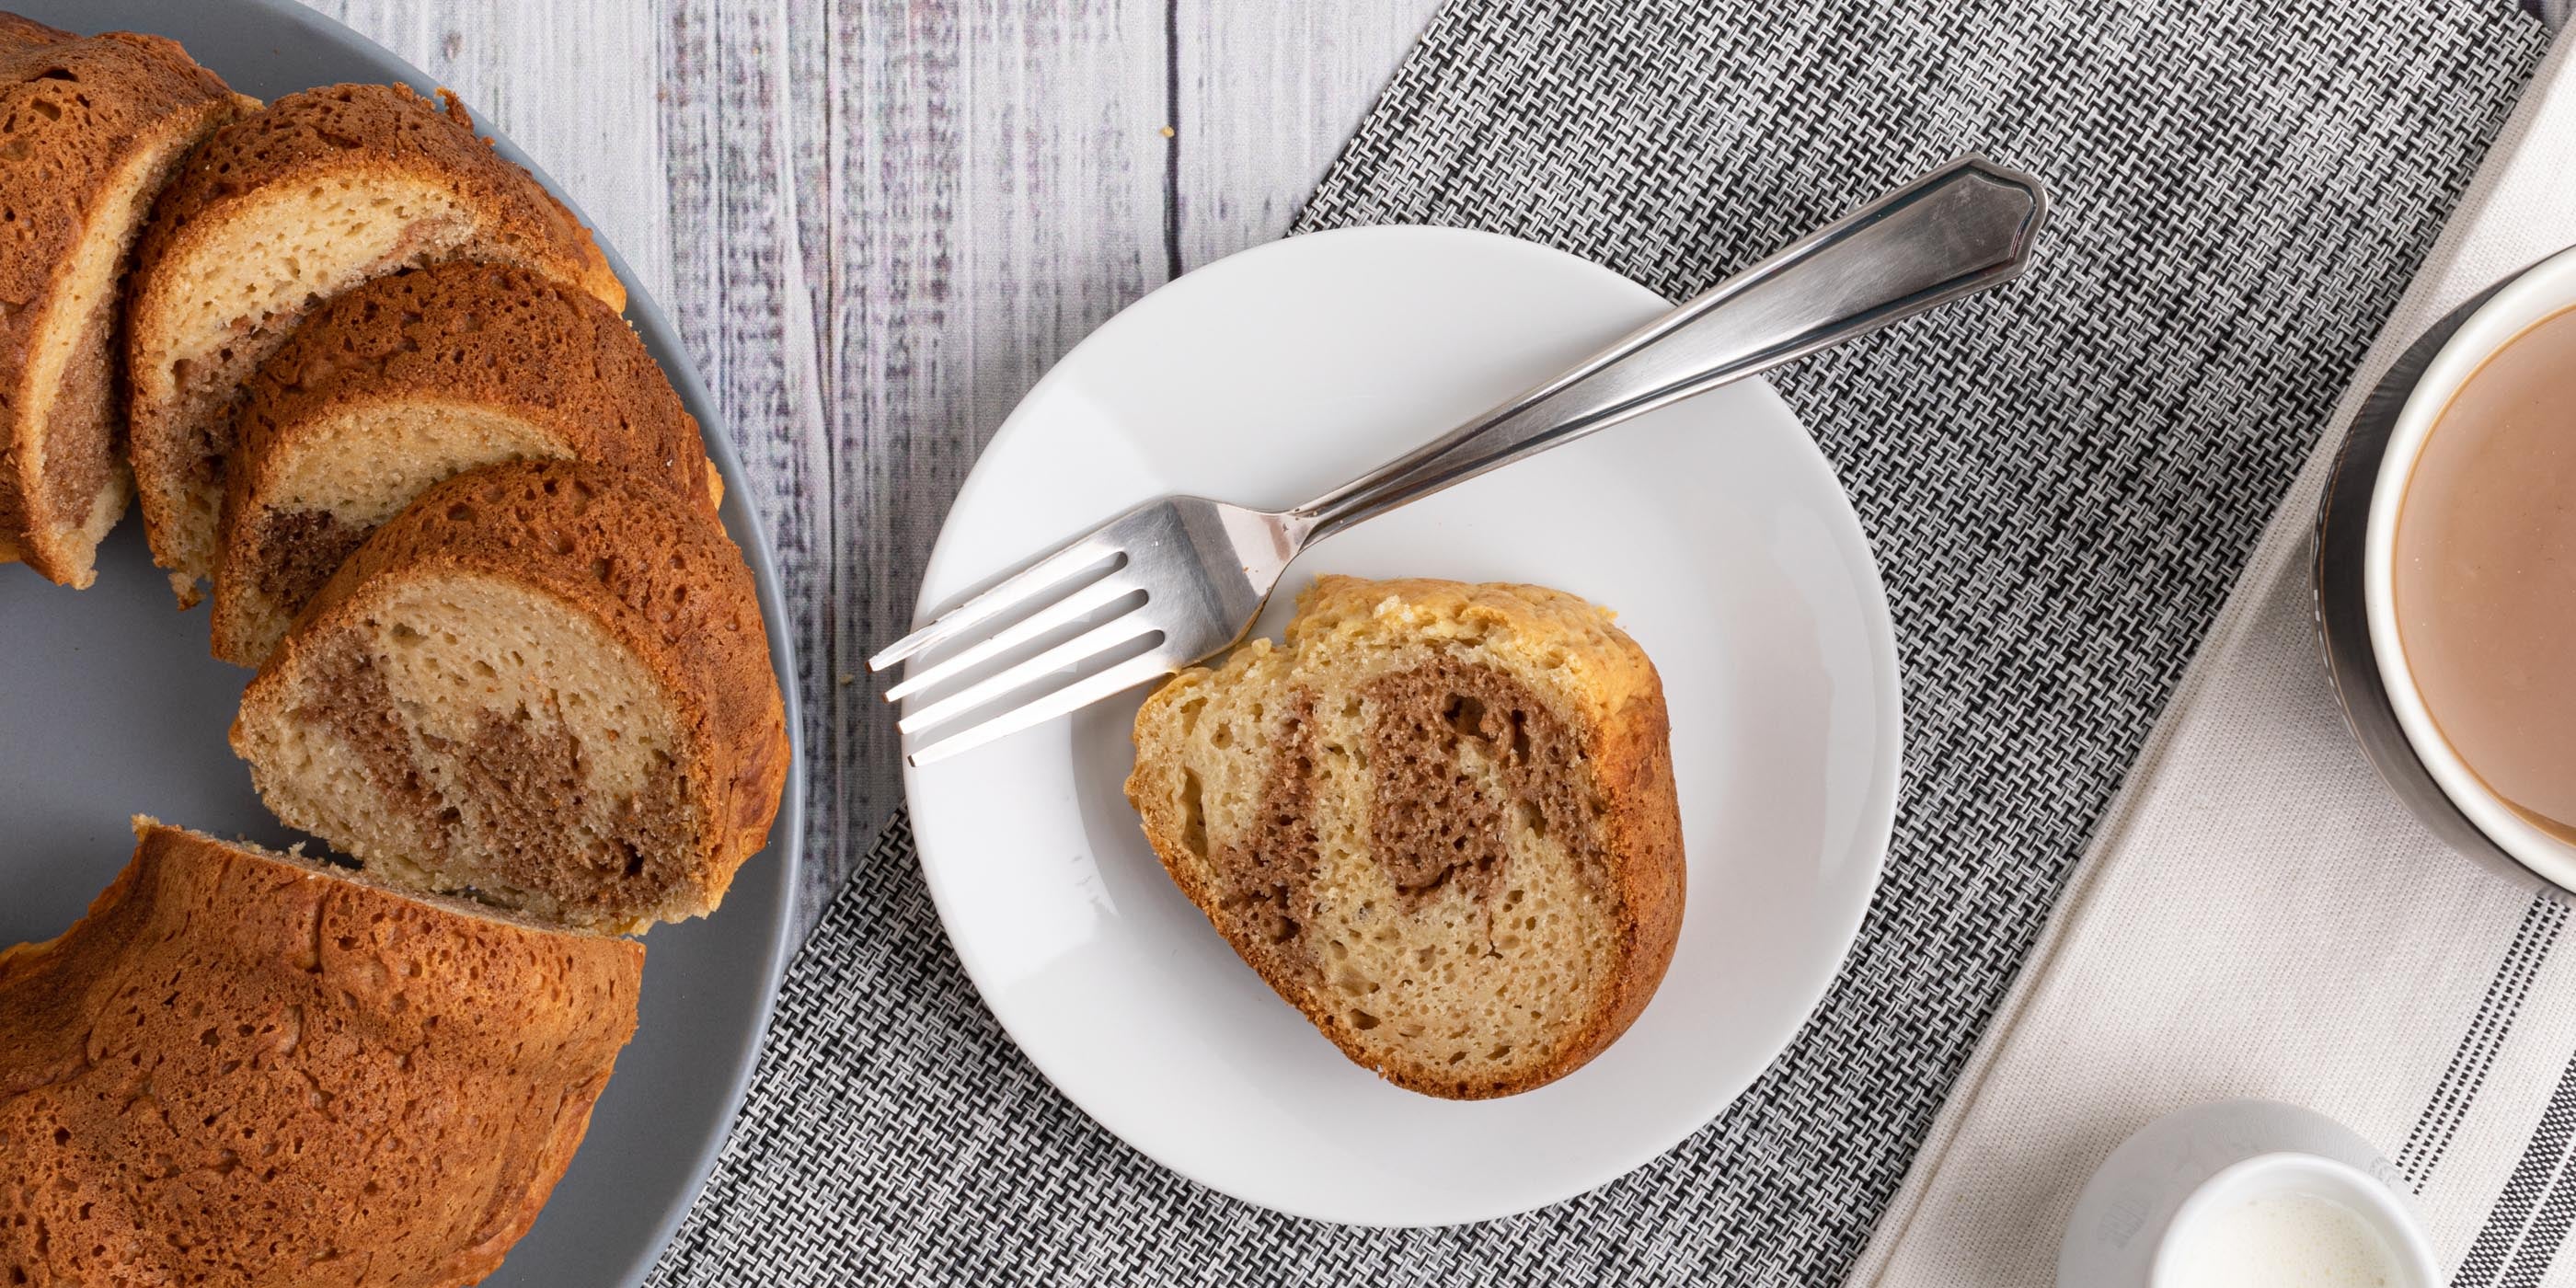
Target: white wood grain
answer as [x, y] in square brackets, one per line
[1019, 205]
[1269, 94]
[878, 222]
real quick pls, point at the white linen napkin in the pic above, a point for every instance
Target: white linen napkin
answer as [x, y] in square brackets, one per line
[2258, 916]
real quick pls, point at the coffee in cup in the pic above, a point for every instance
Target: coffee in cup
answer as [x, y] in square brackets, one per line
[2484, 574]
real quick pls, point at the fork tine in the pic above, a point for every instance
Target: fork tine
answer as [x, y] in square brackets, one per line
[1071, 608]
[1072, 697]
[1046, 572]
[1089, 644]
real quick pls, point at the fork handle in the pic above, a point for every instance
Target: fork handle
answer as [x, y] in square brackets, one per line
[1956, 231]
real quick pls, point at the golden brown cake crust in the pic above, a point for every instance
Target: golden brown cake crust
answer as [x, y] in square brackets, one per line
[494, 336]
[658, 573]
[1623, 731]
[74, 113]
[497, 335]
[327, 137]
[242, 1069]
[388, 129]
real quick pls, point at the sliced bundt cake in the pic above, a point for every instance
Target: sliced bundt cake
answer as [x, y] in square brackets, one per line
[411, 379]
[277, 213]
[1440, 822]
[546, 685]
[245, 1068]
[90, 130]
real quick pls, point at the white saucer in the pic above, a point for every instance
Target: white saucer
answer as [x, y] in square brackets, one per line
[1714, 527]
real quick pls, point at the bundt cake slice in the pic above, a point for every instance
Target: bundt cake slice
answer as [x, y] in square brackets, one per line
[1440, 822]
[278, 212]
[411, 379]
[246, 1068]
[544, 685]
[90, 130]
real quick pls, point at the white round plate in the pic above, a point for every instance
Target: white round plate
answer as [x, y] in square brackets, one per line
[1714, 527]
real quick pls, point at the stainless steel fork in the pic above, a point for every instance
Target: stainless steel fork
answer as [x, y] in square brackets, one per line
[1203, 568]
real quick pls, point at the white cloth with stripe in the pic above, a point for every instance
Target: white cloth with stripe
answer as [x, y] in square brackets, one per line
[2258, 916]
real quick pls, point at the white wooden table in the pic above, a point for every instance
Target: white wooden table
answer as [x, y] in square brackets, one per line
[878, 222]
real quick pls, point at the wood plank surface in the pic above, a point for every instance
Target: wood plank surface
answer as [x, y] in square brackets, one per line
[878, 222]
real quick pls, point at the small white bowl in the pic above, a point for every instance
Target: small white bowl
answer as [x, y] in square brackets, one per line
[2196, 1160]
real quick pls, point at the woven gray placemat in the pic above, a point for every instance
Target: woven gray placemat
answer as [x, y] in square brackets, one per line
[2059, 480]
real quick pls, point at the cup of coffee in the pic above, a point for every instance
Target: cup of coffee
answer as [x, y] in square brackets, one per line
[2446, 576]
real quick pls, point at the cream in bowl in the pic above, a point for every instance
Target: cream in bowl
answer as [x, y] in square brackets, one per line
[2292, 1220]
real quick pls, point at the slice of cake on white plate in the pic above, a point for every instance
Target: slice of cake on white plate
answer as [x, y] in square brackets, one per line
[1439, 821]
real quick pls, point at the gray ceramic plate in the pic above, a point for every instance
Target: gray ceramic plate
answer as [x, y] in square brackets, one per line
[110, 706]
